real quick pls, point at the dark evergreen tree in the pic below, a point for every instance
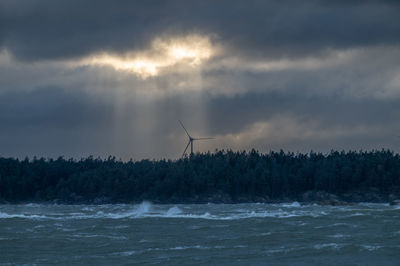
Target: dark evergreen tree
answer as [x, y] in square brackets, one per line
[235, 176]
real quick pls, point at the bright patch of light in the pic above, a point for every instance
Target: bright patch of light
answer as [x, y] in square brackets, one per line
[192, 50]
[141, 67]
[182, 52]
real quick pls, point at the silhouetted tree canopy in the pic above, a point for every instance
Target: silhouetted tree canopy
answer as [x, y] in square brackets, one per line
[224, 176]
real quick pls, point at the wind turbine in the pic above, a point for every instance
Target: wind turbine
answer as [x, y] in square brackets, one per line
[191, 139]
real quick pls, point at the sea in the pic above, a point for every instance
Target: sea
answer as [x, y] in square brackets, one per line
[200, 234]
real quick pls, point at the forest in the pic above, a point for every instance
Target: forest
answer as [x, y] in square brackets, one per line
[220, 177]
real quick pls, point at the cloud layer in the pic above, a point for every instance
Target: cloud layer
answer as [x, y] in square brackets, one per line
[99, 78]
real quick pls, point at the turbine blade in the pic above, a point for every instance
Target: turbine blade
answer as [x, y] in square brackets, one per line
[185, 129]
[202, 138]
[185, 149]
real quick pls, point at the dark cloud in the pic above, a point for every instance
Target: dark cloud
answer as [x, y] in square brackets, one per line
[53, 122]
[51, 108]
[35, 30]
[242, 111]
[346, 98]
[49, 29]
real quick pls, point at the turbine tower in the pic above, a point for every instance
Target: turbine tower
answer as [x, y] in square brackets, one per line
[191, 139]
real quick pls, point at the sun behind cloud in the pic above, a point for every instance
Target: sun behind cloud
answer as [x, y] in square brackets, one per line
[192, 50]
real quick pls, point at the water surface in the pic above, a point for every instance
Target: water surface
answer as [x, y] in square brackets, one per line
[238, 234]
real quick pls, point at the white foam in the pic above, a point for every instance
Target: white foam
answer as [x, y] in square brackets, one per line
[184, 247]
[140, 211]
[38, 226]
[334, 225]
[4, 215]
[327, 245]
[273, 251]
[189, 216]
[143, 208]
[126, 253]
[99, 236]
[370, 247]
[177, 248]
[339, 236]
[147, 210]
[173, 211]
[68, 230]
[190, 247]
[294, 204]
[356, 214]
[282, 249]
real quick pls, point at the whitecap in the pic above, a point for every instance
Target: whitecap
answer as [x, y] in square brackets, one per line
[327, 245]
[143, 208]
[126, 253]
[140, 211]
[4, 215]
[339, 236]
[291, 205]
[370, 247]
[179, 248]
[335, 225]
[68, 229]
[173, 211]
[38, 226]
[273, 251]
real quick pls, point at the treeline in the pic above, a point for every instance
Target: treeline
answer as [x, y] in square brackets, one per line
[223, 176]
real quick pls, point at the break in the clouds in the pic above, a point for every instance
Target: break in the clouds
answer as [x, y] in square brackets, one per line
[80, 78]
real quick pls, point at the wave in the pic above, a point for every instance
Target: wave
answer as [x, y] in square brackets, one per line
[217, 212]
[294, 204]
[145, 210]
[370, 247]
[177, 248]
[327, 246]
[4, 215]
[171, 213]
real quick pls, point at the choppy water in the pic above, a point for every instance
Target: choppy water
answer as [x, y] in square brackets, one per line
[241, 234]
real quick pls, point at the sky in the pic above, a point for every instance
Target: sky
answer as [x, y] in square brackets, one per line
[81, 78]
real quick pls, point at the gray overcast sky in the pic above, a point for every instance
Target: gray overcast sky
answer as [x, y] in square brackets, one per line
[101, 78]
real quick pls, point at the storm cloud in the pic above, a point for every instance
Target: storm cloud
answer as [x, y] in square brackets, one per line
[37, 29]
[95, 77]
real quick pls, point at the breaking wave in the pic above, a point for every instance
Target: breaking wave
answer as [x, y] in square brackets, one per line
[24, 216]
[148, 210]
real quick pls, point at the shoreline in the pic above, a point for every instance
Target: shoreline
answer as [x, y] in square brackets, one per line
[190, 202]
